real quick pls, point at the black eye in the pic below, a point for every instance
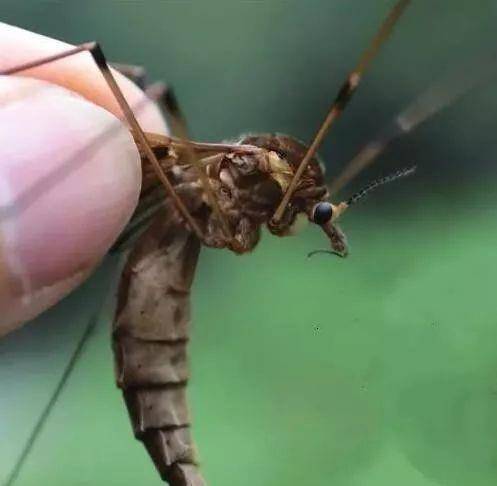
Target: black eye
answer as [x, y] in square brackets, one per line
[322, 212]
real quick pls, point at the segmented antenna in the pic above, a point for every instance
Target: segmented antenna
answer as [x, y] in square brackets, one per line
[379, 182]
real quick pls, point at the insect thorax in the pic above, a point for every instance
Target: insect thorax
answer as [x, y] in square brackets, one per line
[284, 154]
[248, 178]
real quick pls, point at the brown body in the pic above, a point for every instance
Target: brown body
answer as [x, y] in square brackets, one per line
[150, 336]
[151, 328]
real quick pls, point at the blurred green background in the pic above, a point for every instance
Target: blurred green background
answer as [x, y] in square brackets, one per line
[375, 370]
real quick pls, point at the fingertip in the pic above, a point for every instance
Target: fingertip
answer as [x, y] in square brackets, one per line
[69, 181]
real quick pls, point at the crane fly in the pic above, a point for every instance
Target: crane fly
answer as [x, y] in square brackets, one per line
[218, 195]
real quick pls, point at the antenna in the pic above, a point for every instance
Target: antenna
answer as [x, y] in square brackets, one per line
[379, 182]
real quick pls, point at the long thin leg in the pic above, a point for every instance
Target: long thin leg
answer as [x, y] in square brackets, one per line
[98, 56]
[164, 96]
[59, 388]
[343, 97]
[142, 216]
[166, 99]
[137, 74]
[440, 95]
[149, 204]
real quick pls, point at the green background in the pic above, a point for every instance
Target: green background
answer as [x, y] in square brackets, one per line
[375, 370]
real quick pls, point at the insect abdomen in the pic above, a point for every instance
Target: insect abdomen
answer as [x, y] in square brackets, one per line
[149, 340]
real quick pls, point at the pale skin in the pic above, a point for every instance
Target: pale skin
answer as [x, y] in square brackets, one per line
[62, 203]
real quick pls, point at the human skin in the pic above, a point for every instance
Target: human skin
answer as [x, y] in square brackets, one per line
[69, 172]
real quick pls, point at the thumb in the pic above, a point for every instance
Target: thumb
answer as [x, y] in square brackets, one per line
[69, 181]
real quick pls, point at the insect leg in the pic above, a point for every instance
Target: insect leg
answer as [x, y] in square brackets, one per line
[438, 96]
[137, 74]
[98, 56]
[152, 201]
[158, 92]
[148, 207]
[140, 219]
[167, 101]
[342, 98]
[164, 96]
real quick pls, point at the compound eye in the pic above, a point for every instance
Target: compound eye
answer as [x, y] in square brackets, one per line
[322, 213]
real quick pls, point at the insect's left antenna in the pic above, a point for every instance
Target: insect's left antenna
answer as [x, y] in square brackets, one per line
[343, 97]
[98, 56]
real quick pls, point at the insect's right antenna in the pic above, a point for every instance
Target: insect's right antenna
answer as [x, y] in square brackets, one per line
[98, 56]
[379, 182]
[343, 97]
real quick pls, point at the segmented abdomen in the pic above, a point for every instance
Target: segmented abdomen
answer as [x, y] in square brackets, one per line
[150, 336]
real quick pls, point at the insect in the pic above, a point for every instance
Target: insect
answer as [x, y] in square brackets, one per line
[217, 195]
